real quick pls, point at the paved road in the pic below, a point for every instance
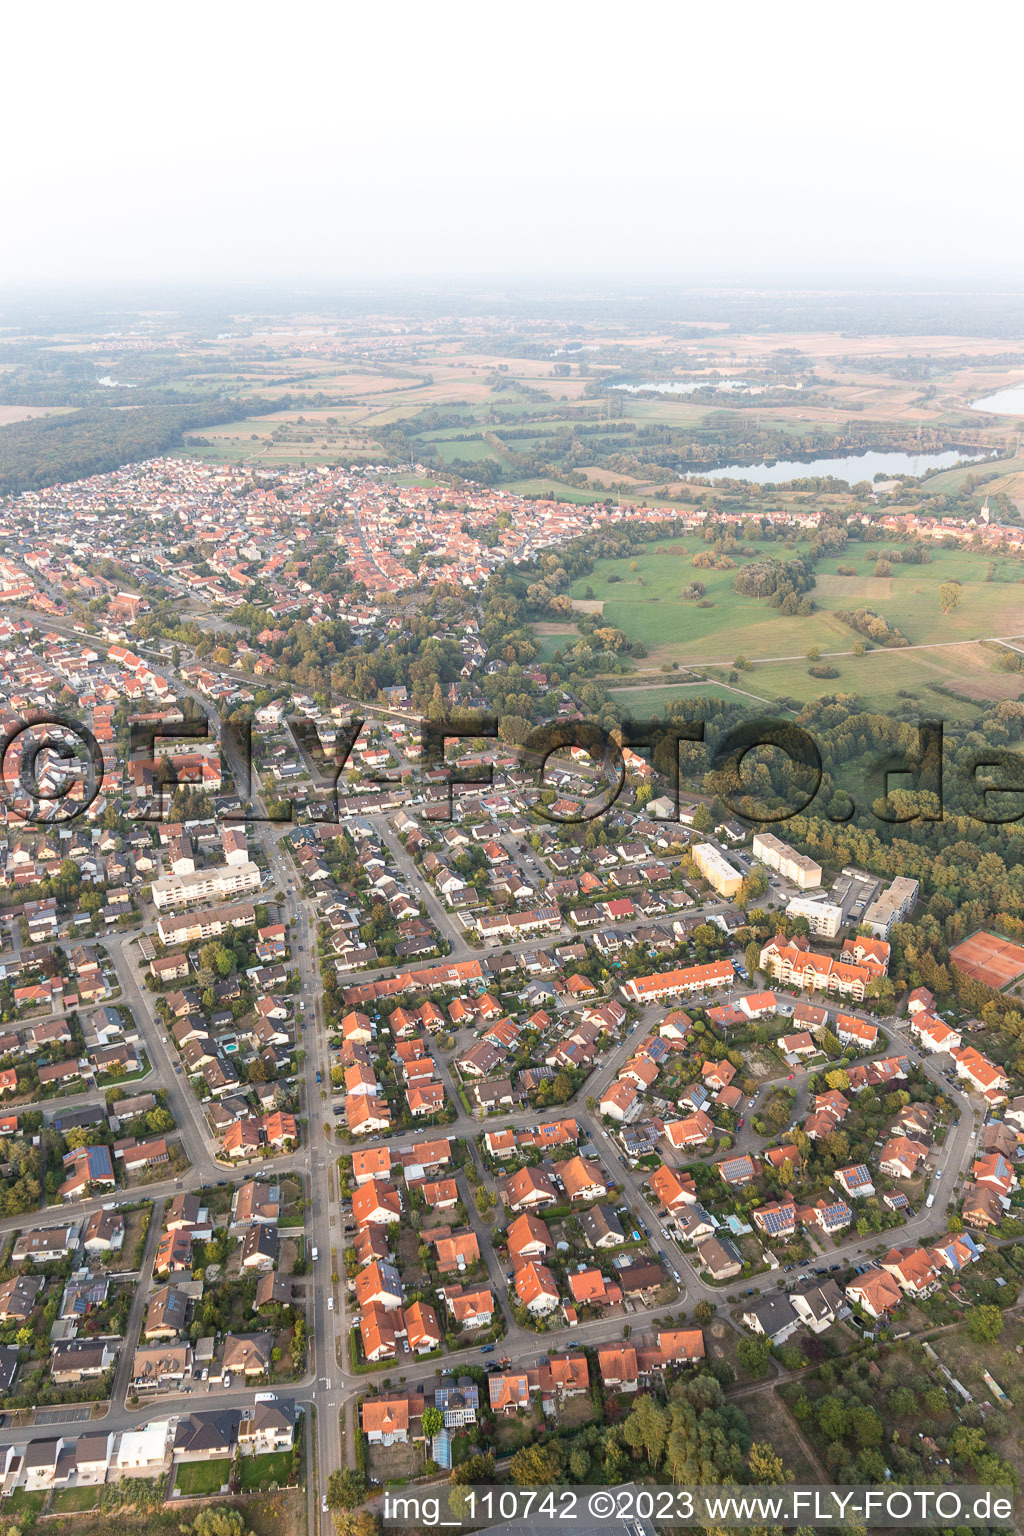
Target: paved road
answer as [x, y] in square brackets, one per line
[322, 1227]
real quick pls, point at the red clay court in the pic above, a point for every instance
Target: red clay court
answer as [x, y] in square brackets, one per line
[990, 959]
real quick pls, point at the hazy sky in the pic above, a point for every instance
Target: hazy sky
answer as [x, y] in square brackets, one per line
[564, 140]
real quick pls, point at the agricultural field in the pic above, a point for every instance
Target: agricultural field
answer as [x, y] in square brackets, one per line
[399, 389]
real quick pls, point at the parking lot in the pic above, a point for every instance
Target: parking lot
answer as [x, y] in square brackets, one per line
[74, 1414]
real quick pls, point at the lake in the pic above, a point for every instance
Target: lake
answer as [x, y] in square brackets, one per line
[721, 386]
[1005, 402]
[850, 467]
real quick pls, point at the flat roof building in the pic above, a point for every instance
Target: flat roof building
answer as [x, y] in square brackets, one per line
[724, 877]
[894, 904]
[824, 918]
[777, 855]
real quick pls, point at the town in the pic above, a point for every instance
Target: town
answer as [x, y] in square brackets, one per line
[451, 1128]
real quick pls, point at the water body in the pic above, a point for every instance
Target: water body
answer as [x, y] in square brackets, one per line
[721, 386]
[850, 467]
[1005, 402]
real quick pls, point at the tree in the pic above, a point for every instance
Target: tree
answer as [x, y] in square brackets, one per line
[432, 1421]
[346, 1489]
[579, 1464]
[950, 593]
[218, 1521]
[832, 1420]
[753, 1355]
[765, 1466]
[534, 1465]
[754, 885]
[475, 1469]
[646, 1430]
[984, 1324]
[704, 1312]
[778, 1111]
[867, 1426]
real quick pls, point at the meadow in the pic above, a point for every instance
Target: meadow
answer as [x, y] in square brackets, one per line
[646, 603]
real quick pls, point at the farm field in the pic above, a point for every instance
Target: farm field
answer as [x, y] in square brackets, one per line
[394, 389]
[987, 477]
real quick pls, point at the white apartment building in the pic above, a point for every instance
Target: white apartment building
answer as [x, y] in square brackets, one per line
[785, 861]
[824, 918]
[205, 885]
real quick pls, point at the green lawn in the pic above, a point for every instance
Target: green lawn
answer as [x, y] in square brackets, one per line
[203, 1478]
[878, 677]
[72, 1501]
[647, 604]
[639, 700]
[557, 489]
[910, 597]
[549, 644]
[260, 1472]
[472, 450]
[24, 1502]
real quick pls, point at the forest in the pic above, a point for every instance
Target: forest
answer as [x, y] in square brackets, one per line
[46, 450]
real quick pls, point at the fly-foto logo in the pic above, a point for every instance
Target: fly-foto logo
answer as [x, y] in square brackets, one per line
[52, 769]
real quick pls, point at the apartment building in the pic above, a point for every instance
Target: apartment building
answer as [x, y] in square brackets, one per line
[785, 861]
[795, 965]
[722, 876]
[893, 906]
[197, 926]
[203, 885]
[824, 918]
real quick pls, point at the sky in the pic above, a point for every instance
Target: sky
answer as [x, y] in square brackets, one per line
[566, 142]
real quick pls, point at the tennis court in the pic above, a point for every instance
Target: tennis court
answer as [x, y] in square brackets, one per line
[990, 959]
